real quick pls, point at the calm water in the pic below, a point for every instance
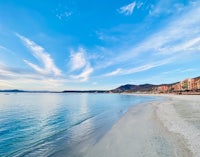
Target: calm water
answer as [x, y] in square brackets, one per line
[48, 124]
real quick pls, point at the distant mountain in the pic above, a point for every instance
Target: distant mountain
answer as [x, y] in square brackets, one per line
[134, 88]
[86, 91]
[24, 91]
[12, 90]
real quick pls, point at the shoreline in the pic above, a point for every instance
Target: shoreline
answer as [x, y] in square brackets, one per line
[160, 128]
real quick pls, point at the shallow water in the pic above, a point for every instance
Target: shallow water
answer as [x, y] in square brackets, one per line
[58, 124]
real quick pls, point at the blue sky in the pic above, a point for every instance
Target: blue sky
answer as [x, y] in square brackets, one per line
[87, 44]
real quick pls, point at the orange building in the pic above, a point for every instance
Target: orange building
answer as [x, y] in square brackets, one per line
[177, 87]
[163, 89]
[197, 84]
[191, 84]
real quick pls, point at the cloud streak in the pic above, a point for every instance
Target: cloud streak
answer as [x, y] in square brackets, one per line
[49, 67]
[127, 9]
[12, 77]
[139, 68]
[179, 38]
[115, 72]
[84, 75]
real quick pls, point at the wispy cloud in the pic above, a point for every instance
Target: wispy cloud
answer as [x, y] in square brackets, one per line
[64, 15]
[180, 36]
[127, 9]
[166, 7]
[62, 12]
[178, 40]
[84, 75]
[49, 67]
[5, 84]
[146, 67]
[139, 5]
[3, 48]
[139, 68]
[13, 77]
[115, 72]
[190, 45]
[79, 62]
[9, 72]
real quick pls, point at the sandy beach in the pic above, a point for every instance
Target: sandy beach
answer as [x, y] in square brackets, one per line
[165, 128]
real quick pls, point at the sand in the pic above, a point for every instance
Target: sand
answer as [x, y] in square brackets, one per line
[165, 128]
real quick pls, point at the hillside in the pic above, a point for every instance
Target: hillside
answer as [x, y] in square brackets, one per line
[134, 88]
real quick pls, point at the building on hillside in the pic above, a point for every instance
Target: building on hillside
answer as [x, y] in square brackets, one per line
[191, 84]
[185, 84]
[197, 84]
[176, 87]
[163, 89]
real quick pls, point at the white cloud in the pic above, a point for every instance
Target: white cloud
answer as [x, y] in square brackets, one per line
[39, 53]
[127, 9]
[139, 68]
[139, 5]
[146, 67]
[84, 75]
[190, 45]
[10, 72]
[64, 15]
[35, 67]
[180, 36]
[115, 72]
[166, 7]
[78, 60]
[14, 73]
[16, 78]
[63, 12]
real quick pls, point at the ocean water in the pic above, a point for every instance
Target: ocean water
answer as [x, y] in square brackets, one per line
[58, 124]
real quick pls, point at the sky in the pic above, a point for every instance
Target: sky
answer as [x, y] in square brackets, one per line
[86, 44]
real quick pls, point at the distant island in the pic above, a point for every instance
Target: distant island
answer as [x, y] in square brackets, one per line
[186, 86]
[26, 91]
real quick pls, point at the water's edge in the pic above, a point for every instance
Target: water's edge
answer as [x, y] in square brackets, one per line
[59, 124]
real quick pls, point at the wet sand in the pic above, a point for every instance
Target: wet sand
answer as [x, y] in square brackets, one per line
[165, 128]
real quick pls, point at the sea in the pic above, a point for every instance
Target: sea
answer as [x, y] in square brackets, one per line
[58, 124]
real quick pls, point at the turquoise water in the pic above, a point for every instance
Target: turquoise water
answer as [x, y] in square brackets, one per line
[58, 124]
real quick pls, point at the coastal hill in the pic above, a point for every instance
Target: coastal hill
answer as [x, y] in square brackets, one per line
[129, 88]
[186, 86]
[134, 88]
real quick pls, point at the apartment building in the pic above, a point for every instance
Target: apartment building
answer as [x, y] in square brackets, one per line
[163, 88]
[197, 84]
[177, 87]
[191, 84]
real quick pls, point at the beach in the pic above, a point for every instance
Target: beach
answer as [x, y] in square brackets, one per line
[166, 128]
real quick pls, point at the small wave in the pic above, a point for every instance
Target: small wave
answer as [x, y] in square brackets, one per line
[40, 143]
